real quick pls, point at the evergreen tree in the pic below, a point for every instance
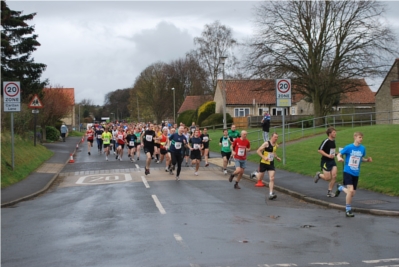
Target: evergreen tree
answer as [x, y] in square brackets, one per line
[17, 44]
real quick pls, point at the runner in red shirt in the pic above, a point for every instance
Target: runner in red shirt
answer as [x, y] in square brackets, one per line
[90, 139]
[121, 140]
[239, 149]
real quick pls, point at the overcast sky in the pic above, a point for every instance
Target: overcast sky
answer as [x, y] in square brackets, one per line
[100, 46]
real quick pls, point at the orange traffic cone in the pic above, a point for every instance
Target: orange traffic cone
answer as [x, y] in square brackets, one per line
[259, 184]
[71, 159]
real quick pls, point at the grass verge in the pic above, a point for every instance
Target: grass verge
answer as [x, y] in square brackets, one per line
[302, 157]
[27, 158]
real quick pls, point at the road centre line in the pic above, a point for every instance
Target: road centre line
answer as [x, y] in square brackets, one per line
[158, 204]
[145, 182]
[381, 260]
[330, 263]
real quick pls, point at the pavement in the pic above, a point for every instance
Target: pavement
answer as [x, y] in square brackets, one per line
[294, 184]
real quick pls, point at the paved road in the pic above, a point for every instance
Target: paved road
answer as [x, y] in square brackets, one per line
[102, 213]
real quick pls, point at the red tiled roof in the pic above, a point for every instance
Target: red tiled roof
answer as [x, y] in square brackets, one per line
[243, 92]
[69, 91]
[192, 102]
[363, 95]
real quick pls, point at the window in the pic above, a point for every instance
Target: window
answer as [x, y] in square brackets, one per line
[241, 112]
[292, 111]
[279, 111]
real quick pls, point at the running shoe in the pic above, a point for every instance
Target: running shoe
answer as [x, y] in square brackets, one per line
[88, 153]
[349, 213]
[236, 186]
[272, 196]
[116, 157]
[337, 192]
[120, 159]
[157, 161]
[138, 158]
[231, 178]
[146, 171]
[106, 158]
[186, 164]
[177, 178]
[330, 194]
[207, 164]
[166, 170]
[170, 171]
[225, 172]
[196, 173]
[317, 177]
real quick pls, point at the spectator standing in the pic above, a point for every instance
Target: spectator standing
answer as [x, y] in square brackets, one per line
[266, 126]
[64, 131]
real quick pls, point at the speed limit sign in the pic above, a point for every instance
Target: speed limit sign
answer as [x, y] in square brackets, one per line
[12, 96]
[283, 92]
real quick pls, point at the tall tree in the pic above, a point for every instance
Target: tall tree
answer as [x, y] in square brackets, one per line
[117, 102]
[324, 46]
[216, 40]
[17, 45]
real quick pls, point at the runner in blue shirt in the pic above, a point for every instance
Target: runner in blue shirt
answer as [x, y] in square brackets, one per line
[355, 154]
[176, 143]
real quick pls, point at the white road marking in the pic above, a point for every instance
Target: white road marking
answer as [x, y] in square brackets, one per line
[388, 266]
[137, 166]
[108, 178]
[281, 264]
[158, 204]
[381, 260]
[181, 242]
[194, 265]
[95, 179]
[331, 263]
[145, 182]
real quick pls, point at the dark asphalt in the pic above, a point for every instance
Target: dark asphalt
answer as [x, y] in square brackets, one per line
[294, 184]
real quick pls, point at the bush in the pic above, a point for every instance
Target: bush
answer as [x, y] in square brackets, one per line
[52, 133]
[186, 117]
[205, 110]
[217, 119]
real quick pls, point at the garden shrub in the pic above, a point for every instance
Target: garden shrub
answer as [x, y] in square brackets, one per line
[205, 110]
[52, 133]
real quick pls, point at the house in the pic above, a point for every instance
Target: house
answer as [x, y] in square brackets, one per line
[253, 97]
[192, 102]
[387, 97]
[70, 119]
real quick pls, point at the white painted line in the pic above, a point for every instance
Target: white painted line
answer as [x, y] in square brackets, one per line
[281, 264]
[145, 182]
[381, 260]
[181, 242]
[137, 166]
[194, 265]
[158, 204]
[388, 266]
[331, 263]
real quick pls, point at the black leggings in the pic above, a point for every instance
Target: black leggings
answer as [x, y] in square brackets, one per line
[176, 158]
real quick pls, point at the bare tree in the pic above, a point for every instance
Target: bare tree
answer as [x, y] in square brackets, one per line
[216, 40]
[324, 46]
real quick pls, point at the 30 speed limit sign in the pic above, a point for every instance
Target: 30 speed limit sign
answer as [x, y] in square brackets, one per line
[12, 96]
[283, 92]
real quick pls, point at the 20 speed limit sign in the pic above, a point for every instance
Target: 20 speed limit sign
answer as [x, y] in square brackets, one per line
[283, 92]
[12, 96]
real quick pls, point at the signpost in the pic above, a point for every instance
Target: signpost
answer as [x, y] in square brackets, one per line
[35, 103]
[283, 99]
[12, 103]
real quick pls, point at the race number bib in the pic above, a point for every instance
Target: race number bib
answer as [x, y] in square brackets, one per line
[178, 145]
[225, 143]
[241, 151]
[120, 137]
[270, 157]
[354, 162]
[197, 146]
[332, 151]
[131, 143]
[99, 137]
[148, 138]
[206, 138]
[106, 140]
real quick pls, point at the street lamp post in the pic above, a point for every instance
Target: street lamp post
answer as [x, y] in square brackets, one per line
[174, 108]
[114, 115]
[222, 60]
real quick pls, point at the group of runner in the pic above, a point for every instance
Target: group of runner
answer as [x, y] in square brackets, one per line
[192, 143]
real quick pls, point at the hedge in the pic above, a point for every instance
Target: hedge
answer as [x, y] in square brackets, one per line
[205, 110]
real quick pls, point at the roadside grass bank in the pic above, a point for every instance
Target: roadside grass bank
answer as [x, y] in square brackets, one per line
[76, 133]
[381, 175]
[27, 158]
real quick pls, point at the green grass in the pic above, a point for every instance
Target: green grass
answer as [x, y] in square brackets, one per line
[27, 158]
[302, 157]
[76, 133]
